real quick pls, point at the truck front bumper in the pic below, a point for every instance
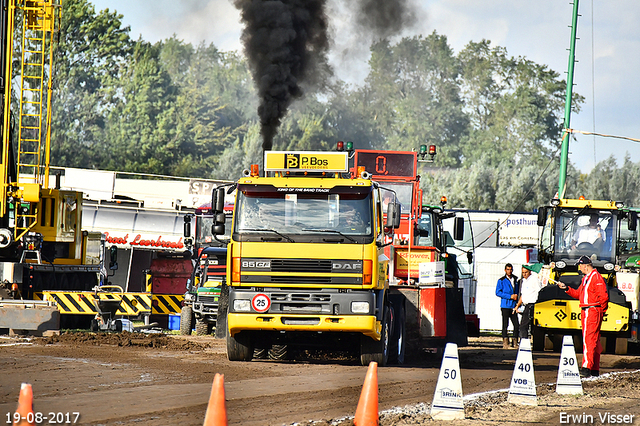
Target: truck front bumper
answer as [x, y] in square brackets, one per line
[364, 324]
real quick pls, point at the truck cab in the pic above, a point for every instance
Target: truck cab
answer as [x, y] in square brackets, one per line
[306, 264]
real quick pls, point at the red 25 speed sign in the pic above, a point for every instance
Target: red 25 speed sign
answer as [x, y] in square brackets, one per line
[261, 302]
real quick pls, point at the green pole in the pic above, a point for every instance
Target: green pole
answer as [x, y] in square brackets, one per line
[564, 154]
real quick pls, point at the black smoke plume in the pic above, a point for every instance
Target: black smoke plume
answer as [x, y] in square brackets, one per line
[384, 18]
[286, 43]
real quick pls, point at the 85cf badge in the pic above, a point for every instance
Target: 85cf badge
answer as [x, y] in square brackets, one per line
[261, 302]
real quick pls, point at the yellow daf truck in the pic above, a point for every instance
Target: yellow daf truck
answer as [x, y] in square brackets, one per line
[305, 263]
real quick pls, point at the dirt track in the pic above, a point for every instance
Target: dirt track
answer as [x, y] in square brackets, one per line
[153, 379]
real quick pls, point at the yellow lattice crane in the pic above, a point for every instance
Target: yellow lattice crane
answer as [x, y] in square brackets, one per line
[42, 246]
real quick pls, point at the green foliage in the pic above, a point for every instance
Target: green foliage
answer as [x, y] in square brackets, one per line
[173, 108]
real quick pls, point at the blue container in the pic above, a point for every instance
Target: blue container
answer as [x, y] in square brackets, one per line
[174, 322]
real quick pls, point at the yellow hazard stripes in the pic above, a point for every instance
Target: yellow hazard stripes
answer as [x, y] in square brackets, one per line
[132, 304]
[167, 303]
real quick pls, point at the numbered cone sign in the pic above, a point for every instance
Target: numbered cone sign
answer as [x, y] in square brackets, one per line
[523, 381]
[569, 382]
[447, 402]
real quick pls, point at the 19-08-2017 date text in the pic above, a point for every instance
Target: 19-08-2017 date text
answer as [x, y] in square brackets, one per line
[51, 418]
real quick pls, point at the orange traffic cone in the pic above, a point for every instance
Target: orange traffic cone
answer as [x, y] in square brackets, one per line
[367, 411]
[25, 406]
[216, 414]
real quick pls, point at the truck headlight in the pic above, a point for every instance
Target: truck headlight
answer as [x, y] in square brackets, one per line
[360, 307]
[242, 305]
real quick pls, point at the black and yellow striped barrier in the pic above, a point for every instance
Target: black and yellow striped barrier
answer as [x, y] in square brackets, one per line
[167, 303]
[133, 304]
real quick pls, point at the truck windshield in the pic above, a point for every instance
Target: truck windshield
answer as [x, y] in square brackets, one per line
[585, 232]
[302, 211]
[404, 194]
[628, 240]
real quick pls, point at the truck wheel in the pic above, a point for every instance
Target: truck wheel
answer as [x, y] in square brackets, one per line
[557, 342]
[119, 326]
[94, 325]
[239, 347]
[372, 350]
[537, 334]
[397, 343]
[279, 352]
[186, 320]
[202, 328]
[221, 317]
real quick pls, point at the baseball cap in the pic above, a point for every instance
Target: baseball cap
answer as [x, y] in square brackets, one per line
[533, 267]
[584, 260]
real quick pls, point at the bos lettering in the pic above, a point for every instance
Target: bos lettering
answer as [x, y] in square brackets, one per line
[313, 161]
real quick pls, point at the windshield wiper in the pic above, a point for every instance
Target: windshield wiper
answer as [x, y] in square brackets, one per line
[330, 230]
[267, 230]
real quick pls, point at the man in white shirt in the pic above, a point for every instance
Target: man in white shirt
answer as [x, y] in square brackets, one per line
[530, 286]
[592, 234]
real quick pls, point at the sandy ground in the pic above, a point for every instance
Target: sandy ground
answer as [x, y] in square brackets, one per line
[116, 379]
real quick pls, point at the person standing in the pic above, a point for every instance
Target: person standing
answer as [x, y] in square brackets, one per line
[507, 291]
[530, 285]
[594, 301]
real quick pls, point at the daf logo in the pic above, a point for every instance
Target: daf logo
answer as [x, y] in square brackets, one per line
[560, 315]
[346, 266]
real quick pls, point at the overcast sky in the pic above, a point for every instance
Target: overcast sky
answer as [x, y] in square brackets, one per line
[539, 30]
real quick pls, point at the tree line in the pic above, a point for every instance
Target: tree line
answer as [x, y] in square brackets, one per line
[173, 108]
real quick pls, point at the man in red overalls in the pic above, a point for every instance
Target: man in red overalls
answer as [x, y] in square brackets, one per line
[594, 300]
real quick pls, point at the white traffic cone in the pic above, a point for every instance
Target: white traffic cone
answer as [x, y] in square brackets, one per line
[569, 382]
[447, 401]
[523, 381]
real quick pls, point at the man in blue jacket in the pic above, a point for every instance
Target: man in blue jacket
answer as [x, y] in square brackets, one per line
[507, 291]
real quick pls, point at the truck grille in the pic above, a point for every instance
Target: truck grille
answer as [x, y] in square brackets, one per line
[208, 299]
[296, 279]
[301, 265]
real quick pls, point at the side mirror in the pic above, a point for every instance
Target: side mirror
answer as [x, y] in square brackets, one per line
[187, 226]
[633, 221]
[542, 216]
[458, 229]
[113, 258]
[394, 212]
[217, 229]
[217, 200]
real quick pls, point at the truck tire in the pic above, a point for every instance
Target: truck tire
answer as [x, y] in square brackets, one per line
[279, 352]
[397, 342]
[372, 350]
[223, 309]
[202, 328]
[239, 347]
[94, 325]
[118, 326]
[537, 334]
[186, 320]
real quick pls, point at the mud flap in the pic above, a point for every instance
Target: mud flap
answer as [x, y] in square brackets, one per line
[456, 320]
